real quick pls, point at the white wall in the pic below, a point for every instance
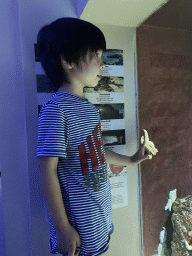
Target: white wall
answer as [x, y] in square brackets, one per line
[26, 227]
[126, 239]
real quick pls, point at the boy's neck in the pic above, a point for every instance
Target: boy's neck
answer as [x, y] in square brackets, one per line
[71, 89]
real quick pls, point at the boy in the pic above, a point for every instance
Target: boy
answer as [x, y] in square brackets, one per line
[70, 147]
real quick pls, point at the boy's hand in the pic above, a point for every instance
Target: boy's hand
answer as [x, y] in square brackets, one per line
[146, 150]
[68, 240]
[142, 154]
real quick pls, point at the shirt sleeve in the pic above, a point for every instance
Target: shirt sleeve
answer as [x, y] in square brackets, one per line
[52, 132]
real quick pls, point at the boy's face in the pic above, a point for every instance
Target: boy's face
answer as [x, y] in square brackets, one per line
[91, 71]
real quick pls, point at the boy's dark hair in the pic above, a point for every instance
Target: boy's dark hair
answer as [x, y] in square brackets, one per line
[70, 38]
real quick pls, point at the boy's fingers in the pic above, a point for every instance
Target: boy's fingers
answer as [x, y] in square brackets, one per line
[75, 252]
[145, 157]
[143, 147]
[72, 253]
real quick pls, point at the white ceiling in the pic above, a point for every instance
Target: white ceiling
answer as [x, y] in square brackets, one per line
[129, 13]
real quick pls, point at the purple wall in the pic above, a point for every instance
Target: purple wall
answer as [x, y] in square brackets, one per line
[13, 149]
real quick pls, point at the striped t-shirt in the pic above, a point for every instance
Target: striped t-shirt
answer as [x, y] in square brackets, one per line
[69, 128]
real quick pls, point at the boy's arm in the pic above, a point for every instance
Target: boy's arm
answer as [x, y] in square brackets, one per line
[52, 191]
[67, 237]
[118, 159]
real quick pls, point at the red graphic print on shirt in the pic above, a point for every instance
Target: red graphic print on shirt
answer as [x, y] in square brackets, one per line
[92, 154]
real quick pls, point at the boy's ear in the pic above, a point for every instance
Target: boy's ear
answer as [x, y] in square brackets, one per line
[65, 63]
[68, 65]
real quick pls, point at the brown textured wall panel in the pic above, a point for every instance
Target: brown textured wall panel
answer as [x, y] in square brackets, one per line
[165, 111]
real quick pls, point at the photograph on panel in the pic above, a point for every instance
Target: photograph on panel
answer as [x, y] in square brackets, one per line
[110, 111]
[107, 84]
[114, 137]
[113, 57]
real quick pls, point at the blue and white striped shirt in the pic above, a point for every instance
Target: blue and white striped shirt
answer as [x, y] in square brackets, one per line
[69, 128]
